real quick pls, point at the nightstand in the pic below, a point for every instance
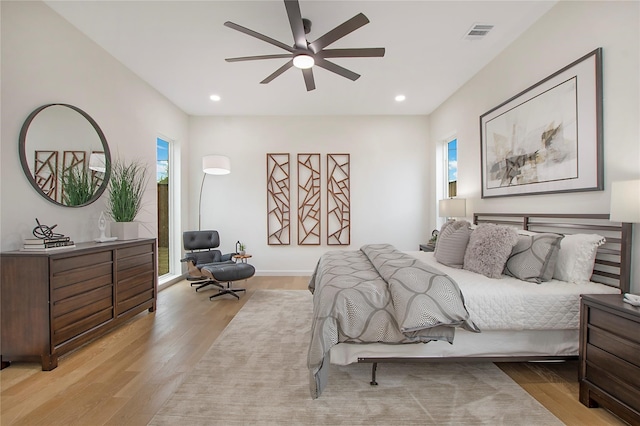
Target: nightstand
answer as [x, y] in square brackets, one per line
[610, 355]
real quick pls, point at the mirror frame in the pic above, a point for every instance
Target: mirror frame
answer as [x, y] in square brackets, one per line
[22, 142]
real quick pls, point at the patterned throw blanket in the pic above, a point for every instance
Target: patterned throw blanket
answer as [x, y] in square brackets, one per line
[379, 294]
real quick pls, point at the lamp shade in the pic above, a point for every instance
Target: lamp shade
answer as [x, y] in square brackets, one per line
[625, 201]
[97, 162]
[452, 207]
[216, 165]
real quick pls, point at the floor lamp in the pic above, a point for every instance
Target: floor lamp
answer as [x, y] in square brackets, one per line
[212, 165]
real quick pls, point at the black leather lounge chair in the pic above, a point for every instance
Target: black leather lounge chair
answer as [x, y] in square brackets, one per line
[202, 250]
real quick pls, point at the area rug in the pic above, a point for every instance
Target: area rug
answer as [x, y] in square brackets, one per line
[255, 373]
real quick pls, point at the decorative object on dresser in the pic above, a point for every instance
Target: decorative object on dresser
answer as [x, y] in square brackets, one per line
[102, 226]
[126, 190]
[529, 143]
[610, 355]
[54, 302]
[46, 239]
[212, 165]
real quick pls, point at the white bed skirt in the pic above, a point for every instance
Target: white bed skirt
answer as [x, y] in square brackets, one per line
[521, 343]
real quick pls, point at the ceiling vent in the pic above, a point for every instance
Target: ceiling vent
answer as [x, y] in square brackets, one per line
[478, 31]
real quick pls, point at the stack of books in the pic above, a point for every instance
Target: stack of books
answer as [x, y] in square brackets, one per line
[46, 244]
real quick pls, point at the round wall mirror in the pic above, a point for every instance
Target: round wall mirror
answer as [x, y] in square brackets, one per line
[64, 155]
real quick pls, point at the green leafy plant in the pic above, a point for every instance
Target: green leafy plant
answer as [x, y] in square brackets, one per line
[78, 186]
[126, 188]
[242, 247]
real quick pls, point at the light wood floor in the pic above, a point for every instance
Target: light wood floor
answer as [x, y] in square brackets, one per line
[126, 376]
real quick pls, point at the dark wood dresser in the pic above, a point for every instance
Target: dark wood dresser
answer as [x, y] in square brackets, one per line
[53, 302]
[610, 355]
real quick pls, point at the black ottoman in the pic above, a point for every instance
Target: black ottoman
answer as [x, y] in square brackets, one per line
[228, 273]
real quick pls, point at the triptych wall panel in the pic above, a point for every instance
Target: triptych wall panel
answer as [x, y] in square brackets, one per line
[338, 219]
[278, 193]
[338, 199]
[308, 199]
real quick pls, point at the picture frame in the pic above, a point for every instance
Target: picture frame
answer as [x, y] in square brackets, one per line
[547, 138]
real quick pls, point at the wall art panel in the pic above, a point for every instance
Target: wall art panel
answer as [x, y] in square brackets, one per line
[308, 199]
[338, 199]
[278, 195]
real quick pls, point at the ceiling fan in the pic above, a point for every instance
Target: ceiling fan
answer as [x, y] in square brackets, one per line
[304, 54]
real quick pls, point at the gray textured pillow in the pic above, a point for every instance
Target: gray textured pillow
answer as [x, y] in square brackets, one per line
[534, 257]
[452, 243]
[489, 248]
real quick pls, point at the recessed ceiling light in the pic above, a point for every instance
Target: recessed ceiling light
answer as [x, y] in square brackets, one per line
[400, 98]
[215, 98]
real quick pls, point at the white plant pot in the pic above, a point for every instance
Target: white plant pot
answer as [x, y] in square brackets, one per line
[125, 230]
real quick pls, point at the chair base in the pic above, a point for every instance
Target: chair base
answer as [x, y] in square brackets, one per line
[202, 282]
[228, 290]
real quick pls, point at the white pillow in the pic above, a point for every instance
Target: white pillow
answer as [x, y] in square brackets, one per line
[576, 257]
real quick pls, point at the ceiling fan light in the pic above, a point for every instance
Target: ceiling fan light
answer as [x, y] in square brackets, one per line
[303, 61]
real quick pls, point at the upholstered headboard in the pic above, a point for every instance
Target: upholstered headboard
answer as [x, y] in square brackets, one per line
[613, 261]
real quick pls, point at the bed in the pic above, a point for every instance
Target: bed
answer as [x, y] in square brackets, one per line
[369, 304]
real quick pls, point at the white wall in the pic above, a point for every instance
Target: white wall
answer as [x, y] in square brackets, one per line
[566, 33]
[389, 177]
[46, 60]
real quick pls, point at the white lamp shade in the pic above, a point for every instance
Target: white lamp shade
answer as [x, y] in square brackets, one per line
[97, 162]
[452, 207]
[216, 165]
[625, 201]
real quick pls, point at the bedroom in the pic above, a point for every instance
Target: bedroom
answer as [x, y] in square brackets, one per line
[114, 94]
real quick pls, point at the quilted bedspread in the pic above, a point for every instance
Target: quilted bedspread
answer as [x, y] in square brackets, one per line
[379, 294]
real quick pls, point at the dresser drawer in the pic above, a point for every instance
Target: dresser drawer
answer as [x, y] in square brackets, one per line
[623, 348]
[77, 328]
[615, 367]
[613, 385]
[78, 288]
[60, 265]
[615, 324]
[82, 300]
[80, 275]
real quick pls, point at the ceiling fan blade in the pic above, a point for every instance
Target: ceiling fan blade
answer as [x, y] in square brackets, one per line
[295, 20]
[367, 52]
[253, 58]
[338, 32]
[308, 79]
[277, 72]
[330, 66]
[259, 36]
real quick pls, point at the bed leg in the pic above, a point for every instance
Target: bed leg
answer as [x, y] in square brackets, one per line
[374, 367]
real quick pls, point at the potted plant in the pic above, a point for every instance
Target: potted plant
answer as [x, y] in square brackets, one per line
[126, 188]
[242, 249]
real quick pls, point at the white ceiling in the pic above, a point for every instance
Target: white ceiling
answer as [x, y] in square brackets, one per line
[179, 48]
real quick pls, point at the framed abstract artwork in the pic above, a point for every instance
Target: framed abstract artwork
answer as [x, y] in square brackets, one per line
[338, 199]
[308, 199]
[548, 138]
[278, 196]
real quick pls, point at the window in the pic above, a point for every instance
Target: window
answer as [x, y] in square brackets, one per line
[452, 168]
[162, 178]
